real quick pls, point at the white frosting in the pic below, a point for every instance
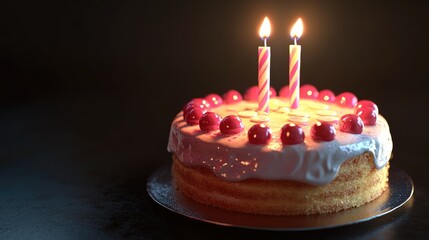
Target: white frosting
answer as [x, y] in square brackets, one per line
[233, 158]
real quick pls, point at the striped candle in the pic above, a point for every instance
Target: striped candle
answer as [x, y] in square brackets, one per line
[264, 55]
[264, 59]
[294, 70]
[295, 65]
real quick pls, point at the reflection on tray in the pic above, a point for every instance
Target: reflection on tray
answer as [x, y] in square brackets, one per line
[160, 188]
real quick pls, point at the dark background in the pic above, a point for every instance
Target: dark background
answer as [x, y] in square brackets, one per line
[89, 90]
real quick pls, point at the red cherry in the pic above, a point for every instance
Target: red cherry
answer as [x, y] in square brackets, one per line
[285, 92]
[259, 134]
[368, 115]
[194, 115]
[187, 108]
[231, 125]
[232, 96]
[273, 92]
[346, 99]
[351, 123]
[366, 103]
[196, 102]
[292, 134]
[251, 94]
[186, 105]
[326, 95]
[214, 100]
[308, 91]
[210, 121]
[323, 131]
[202, 103]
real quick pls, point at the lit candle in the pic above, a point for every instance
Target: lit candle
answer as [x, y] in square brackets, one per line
[264, 55]
[295, 64]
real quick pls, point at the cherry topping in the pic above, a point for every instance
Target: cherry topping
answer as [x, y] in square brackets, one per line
[187, 108]
[366, 103]
[231, 125]
[251, 94]
[194, 115]
[368, 115]
[326, 95]
[259, 134]
[186, 105]
[210, 121]
[232, 96]
[323, 131]
[196, 102]
[351, 123]
[273, 92]
[292, 134]
[285, 92]
[346, 99]
[202, 103]
[214, 99]
[308, 91]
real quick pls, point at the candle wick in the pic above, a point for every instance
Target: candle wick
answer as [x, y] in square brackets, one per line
[294, 40]
[265, 41]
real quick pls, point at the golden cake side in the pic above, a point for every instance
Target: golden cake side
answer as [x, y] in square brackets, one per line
[358, 182]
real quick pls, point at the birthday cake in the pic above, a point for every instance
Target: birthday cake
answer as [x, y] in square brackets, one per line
[330, 154]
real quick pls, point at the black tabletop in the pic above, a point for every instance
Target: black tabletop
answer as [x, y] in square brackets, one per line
[79, 169]
[91, 90]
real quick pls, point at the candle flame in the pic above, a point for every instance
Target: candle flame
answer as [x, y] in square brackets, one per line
[265, 29]
[297, 29]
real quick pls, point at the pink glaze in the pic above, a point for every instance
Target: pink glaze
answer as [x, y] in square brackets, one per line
[326, 95]
[231, 157]
[308, 91]
[232, 96]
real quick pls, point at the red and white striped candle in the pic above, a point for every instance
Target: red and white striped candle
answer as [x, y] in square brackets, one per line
[295, 64]
[264, 60]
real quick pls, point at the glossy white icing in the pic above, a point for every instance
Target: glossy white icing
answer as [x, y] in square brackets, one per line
[232, 158]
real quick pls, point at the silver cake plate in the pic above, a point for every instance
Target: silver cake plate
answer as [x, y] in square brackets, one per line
[162, 191]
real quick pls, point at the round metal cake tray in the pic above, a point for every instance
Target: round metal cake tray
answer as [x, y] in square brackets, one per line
[162, 191]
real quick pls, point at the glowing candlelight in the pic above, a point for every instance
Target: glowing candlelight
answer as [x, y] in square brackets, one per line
[295, 64]
[264, 56]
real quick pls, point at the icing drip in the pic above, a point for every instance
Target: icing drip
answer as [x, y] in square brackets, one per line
[233, 158]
